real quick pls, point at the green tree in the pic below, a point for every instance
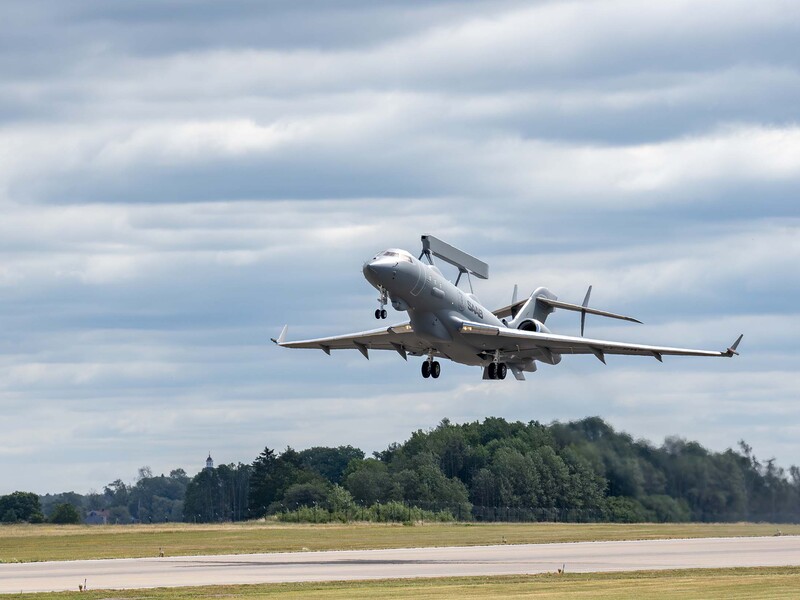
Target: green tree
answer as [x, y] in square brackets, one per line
[262, 486]
[340, 501]
[155, 499]
[272, 475]
[369, 482]
[21, 506]
[203, 499]
[329, 463]
[517, 478]
[116, 493]
[65, 514]
[305, 494]
[48, 502]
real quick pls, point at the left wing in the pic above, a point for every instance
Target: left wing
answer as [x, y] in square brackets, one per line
[530, 344]
[400, 338]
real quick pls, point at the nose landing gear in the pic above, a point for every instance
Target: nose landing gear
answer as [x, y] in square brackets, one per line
[380, 313]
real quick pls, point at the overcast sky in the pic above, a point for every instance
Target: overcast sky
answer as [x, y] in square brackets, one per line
[179, 180]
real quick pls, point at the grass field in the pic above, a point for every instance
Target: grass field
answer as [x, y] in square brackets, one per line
[782, 582]
[26, 543]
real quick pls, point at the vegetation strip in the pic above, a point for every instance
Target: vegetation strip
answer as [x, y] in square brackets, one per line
[27, 543]
[493, 470]
[773, 582]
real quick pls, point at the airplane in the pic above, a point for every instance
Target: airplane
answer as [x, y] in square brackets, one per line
[446, 322]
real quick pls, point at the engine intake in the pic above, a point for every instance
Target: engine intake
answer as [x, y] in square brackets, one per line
[530, 325]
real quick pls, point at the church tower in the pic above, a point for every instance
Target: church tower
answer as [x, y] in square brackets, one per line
[209, 461]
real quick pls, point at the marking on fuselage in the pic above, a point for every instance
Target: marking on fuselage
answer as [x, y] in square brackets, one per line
[474, 308]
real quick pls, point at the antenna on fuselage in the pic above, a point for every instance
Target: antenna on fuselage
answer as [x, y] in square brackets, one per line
[461, 271]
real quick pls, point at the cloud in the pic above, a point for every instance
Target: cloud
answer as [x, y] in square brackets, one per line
[176, 186]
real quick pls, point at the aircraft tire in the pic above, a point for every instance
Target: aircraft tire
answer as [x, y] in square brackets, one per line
[492, 370]
[426, 369]
[436, 369]
[501, 371]
[377, 313]
[383, 314]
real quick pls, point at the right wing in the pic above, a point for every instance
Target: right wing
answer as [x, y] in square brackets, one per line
[400, 338]
[540, 346]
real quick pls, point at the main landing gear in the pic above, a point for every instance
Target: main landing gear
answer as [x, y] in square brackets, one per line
[380, 313]
[497, 370]
[431, 368]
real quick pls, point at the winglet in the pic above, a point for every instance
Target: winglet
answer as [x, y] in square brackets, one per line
[732, 350]
[281, 337]
[583, 312]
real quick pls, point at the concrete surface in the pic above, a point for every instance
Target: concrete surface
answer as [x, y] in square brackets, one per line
[400, 563]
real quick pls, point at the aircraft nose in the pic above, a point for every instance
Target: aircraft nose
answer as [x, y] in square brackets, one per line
[375, 270]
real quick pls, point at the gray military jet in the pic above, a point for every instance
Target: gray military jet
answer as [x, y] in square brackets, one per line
[446, 322]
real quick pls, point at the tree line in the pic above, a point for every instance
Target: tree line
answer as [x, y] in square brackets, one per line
[489, 470]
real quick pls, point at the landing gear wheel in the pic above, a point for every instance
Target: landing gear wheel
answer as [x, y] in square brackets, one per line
[377, 313]
[492, 371]
[383, 313]
[426, 369]
[436, 368]
[501, 370]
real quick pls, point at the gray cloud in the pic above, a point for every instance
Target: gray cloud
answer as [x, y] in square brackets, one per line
[176, 185]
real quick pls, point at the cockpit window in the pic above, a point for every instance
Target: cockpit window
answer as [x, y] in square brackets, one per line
[399, 255]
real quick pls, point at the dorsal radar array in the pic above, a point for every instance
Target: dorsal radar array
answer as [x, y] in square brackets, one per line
[465, 263]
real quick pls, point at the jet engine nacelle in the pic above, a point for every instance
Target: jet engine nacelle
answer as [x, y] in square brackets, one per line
[533, 325]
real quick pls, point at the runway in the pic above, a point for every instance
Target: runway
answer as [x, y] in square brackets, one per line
[400, 563]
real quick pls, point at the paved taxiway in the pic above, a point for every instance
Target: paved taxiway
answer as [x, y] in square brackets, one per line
[400, 563]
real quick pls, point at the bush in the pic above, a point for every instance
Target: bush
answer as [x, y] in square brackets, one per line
[309, 514]
[391, 512]
[340, 500]
[666, 509]
[621, 509]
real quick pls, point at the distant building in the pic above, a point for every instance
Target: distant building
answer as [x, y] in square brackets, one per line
[209, 461]
[97, 517]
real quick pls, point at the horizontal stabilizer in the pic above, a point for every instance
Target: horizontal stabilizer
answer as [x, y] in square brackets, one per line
[454, 256]
[586, 309]
[511, 310]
